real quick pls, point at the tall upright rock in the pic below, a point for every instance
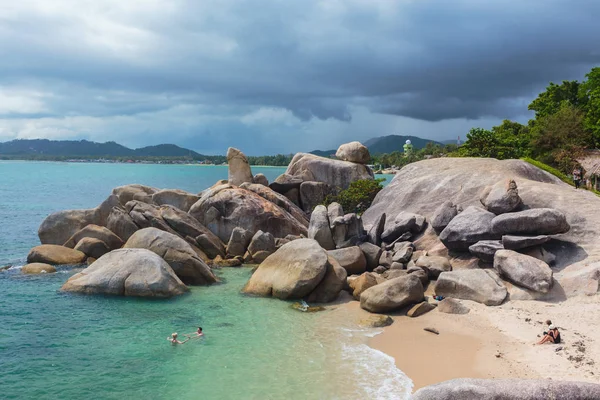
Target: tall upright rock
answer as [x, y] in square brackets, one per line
[239, 168]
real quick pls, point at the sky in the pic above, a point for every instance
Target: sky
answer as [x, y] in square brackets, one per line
[281, 76]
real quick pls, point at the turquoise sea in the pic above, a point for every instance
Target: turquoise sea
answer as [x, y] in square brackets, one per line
[64, 346]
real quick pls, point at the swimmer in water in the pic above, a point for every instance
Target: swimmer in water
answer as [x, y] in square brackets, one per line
[196, 334]
[174, 341]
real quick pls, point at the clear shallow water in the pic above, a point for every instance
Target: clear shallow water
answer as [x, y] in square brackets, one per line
[55, 345]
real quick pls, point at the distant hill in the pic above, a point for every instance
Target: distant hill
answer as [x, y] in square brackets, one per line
[85, 148]
[384, 144]
[391, 143]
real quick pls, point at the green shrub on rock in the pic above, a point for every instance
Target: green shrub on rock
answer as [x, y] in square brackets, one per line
[358, 197]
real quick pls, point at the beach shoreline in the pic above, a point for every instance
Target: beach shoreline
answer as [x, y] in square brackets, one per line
[491, 342]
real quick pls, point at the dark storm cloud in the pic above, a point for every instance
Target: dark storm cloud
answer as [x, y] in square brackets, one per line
[427, 60]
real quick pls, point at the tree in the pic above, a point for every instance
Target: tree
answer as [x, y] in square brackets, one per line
[590, 91]
[549, 101]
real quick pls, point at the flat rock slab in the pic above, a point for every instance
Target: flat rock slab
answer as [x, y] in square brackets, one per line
[511, 242]
[523, 270]
[536, 221]
[420, 309]
[485, 249]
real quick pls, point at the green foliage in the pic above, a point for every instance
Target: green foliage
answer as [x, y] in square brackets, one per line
[279, 160]
[359, 195]
[508, 140]
[590, 90]
[549, 101]
[399, 159]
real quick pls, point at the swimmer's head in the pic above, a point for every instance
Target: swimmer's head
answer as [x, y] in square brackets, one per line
[174, 335]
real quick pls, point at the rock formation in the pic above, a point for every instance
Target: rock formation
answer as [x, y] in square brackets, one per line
[239, 168]
[55, 255]
[354, 152]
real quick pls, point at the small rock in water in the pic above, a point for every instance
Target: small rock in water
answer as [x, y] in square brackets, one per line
[376, 321]
[306, 308]
[432, 330]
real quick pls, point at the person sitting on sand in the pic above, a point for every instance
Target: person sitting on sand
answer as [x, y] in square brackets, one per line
[174, 341]
[552, 336]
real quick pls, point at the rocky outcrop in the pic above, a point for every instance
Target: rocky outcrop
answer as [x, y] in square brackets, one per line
[375, 232]
[292, 272]
[319, 228]
[503, 197]
[277, 199]
[337, 174]
[92, 247]
[403, 223]
[239, 168]
[312, 194]
[180, 256]
[536, 221]
[347, 230]
[467, 228]
[392, 295]
[452, 306]
[372, 254]
[224, 208]
[505, 389]
[351, 259]
[127, 272]
[485, 249]
[362, 283]
[238, 242]
[261, 246]
[55, 255]
[58, 227]
[523, 270]
[176, 198]
[97, 232]
[121, 223]
[443, 215]
[479, 285]
[38, 268]
[354, 152]
[331, 285]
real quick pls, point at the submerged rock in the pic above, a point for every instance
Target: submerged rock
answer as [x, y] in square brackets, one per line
[127, 272]
[38, 268]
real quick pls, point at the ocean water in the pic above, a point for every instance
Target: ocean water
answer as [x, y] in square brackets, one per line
[63, 346]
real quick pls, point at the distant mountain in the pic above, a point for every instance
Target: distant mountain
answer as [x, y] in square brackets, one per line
[391, 143]
[85, 148]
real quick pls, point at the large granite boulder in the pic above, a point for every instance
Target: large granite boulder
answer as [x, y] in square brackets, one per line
[277, 199]
[467, 228]
[292, 272]
[361, 283]
[285, 182]
[508, 389]
[261, 179]
[319, 228]
[433, 265]
[535, 221]
[127, 272]
[503, 197]
[443, 215]
[92, 247]
[347, 230]
[38, 268]
[58, 227]
[354, 152]
[238, 242]
[352, 259]
[312, 194]
[331, 285]
[120, 222]
[334, 210]
[337, 174]
[485, 249]
[372, 254]
[261, 246]
[523, 270]
[97, 232]
[376, 230]
[404, 222]
[146, 215]
[482, 286]
[224, 208]
[392, 294]
[127, 193]
[239, 168]
[176, 198]
[176, 252]
[55, 255]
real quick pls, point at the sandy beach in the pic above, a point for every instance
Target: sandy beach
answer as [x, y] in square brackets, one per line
[493, 342]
